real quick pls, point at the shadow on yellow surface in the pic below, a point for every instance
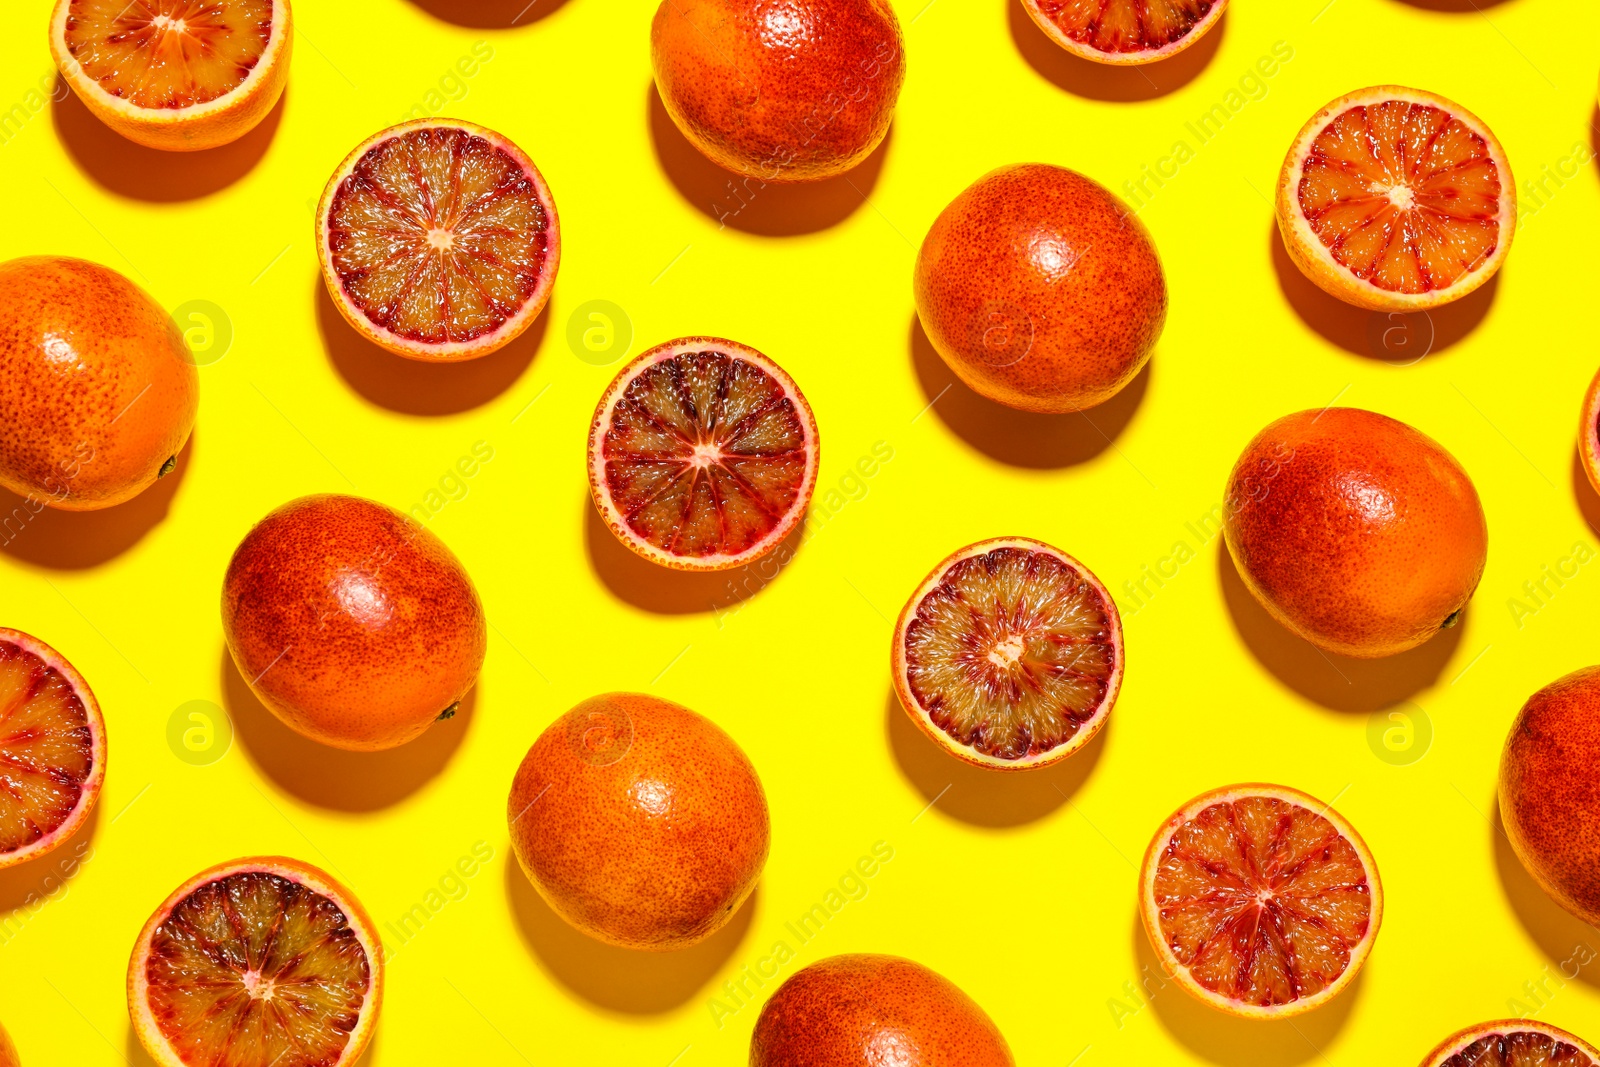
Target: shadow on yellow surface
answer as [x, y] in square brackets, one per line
[1363, 332]
[771, 209]
[1465, 7]
[31, 884]
[1337, 682]
[1583, 493]
[983, 797]
[632, 578]
[75, 540]
[619, 979]
[132, 170]
[1101, 81]
[412, 387]
[1570, 943]
[490, 14]
[1228, 1039]
[331, 777]
[1021, 438]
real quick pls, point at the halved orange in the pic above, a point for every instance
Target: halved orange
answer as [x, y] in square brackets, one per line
[259, 962]
[52, 748]
[439, 240]
[1260, 900]
[1589, 433]
[1009, 655]
[1513, 1043]
[8, 1051]
[1396, 199]
[181, 75]
[702, 454]
[1124, 32]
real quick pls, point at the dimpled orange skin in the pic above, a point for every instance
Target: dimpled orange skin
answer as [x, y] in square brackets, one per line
[1355, 531]
[355, 625]
[780, 90]
[8, 1051]
[1549, 795]
[97, 390]
[1040, 289]
[640, 822]
[874, 1011]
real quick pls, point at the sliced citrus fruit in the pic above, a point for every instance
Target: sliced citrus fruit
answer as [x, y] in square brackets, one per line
[1589, 433]
[702, 454]
[260, 962]
[439, 240]
[181, 75]
[1124, 32]
[8, 1051]
[1260, 900]
[1513, 1043]
[52, 748]
[1395, 199]
[1009, 654]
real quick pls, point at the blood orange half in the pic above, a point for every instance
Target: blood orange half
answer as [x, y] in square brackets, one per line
[439, 240]
[1589, 433]
[52, 748]
[1009, 654]
[1260, 900]
[702, 454]
[261, 962]
[181, 75]
[1395, 199]
[1124, 32]
[1513, 1043]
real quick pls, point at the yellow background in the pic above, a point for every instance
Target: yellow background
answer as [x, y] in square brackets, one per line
[1020, 889]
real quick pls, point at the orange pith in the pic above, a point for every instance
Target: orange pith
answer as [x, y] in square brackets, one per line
[52, 749]
[1009, 654]
[1126, 26]
[439, 240]
[169, 53]
[703, 454]
[1513, 1043]
[1260, 900]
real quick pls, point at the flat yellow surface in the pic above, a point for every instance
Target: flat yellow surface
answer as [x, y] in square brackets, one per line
[1020, 889]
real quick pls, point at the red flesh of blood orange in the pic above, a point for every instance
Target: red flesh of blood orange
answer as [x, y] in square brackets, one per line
[1513, 1043]
[1125, 31]
[702, 454]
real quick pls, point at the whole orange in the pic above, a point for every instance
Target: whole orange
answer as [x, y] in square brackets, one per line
[1549, 796]
[874, 1011]
[352, 622]
[1355, 531]
[1040, 289]
[779, 90]
[98, 392]
[640, 822]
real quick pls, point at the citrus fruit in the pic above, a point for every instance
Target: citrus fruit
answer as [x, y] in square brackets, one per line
[260, 962]
[794, 92]
[1396, 199]
[864, 1010]
[1040, 289]
[702, 454]
[182, 75]
[352, 622]
[640, 822]
[1513, 1043]
[8, 1051]
[1126, 31]
[1260, 900]
[52, 748]
[1589, 433]
[98, 392]
[1549, 800]
[439, 240]
[1355, 531]
[1009, 655]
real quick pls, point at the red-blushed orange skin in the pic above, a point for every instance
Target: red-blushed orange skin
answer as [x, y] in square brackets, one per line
[640, 822]
[97, 389]
[863, 1010]
[1549, 794]
[779, 90]
[354, 624]
[1589, 433]
[1041, 289]
[1355, 531]
[8, 1051]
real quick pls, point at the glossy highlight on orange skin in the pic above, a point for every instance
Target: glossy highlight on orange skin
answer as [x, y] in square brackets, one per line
[640, 822]
[353, 623]
[97, 389]
[1355, 531]
[863, 1010]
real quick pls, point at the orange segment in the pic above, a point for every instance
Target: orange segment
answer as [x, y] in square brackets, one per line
[169, 53]
[1513, 1043]
[1125, 31]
